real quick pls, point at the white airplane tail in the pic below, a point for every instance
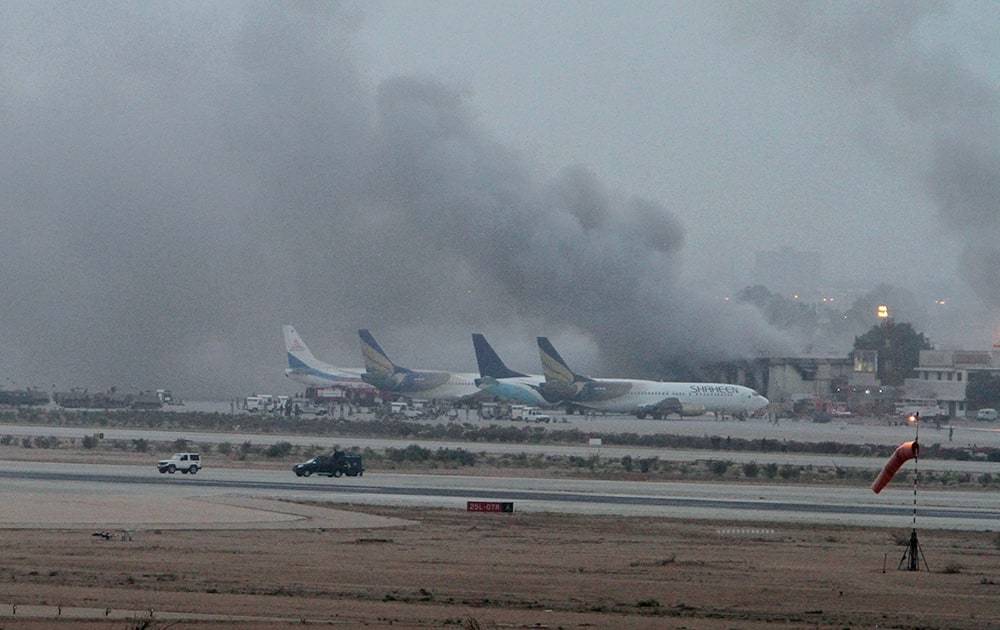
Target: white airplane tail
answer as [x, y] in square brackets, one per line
[308, 370]
[299, 356]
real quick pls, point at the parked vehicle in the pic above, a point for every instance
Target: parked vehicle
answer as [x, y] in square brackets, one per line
[927, 413]
[254, 404]
[184, 462]
[333, 465]
[529, 414]
[303, 406]
[986, 414]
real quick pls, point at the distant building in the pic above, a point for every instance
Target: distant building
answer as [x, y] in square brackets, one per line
[795, 385]
[793, 378]
[943, 375]
[865, 369]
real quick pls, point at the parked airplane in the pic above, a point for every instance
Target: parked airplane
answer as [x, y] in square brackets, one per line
[498, 380]
[643, 397]
[304, 368]
[382, 373]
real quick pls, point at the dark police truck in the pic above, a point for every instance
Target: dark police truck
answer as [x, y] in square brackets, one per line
[333, 465]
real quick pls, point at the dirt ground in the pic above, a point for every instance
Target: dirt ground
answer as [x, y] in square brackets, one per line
[451, 568]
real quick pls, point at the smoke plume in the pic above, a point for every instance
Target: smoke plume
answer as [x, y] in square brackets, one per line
[180, 180]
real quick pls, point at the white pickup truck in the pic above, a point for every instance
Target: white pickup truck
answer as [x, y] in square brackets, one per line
[184, 462]
[528, 414]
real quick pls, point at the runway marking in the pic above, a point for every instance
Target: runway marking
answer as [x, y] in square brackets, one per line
[744, 531]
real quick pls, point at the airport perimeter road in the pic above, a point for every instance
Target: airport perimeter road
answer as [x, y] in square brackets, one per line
[817, 431]
[737, 504]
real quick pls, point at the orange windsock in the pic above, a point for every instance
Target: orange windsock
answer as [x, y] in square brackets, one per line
[906, 450]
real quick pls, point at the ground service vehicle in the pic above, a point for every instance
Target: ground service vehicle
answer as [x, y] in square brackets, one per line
[184, 462]
[308, 407]
[334, 465]
[254, 404]
[530, 414]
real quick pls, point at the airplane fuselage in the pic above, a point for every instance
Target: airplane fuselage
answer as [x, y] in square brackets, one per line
[425, 384]
[631, 396]
[522, 390]
[458, 386]
[325, 375]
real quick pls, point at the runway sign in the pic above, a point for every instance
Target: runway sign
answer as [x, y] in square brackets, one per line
[490, 506]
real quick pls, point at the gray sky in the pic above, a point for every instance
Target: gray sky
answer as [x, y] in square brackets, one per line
[180, 179]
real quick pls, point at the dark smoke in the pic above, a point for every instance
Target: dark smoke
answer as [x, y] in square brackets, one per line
[179, 181]
[565, 252]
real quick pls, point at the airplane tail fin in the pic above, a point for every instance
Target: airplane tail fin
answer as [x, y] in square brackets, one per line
[490, 364]
[554, 367]
[376, 361]
[299, 356]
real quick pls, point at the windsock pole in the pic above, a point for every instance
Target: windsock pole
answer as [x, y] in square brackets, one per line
[916, 461]
[913, 552]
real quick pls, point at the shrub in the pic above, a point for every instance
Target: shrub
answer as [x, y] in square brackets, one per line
[279, 449]
[648, 463]
[627, 463]
[458, 456]
[41, 441]
[788, 471]
[719, 466]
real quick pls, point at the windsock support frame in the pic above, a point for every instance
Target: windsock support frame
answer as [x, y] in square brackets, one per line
[914, 553]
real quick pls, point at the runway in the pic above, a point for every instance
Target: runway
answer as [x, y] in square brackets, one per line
[86, 496]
